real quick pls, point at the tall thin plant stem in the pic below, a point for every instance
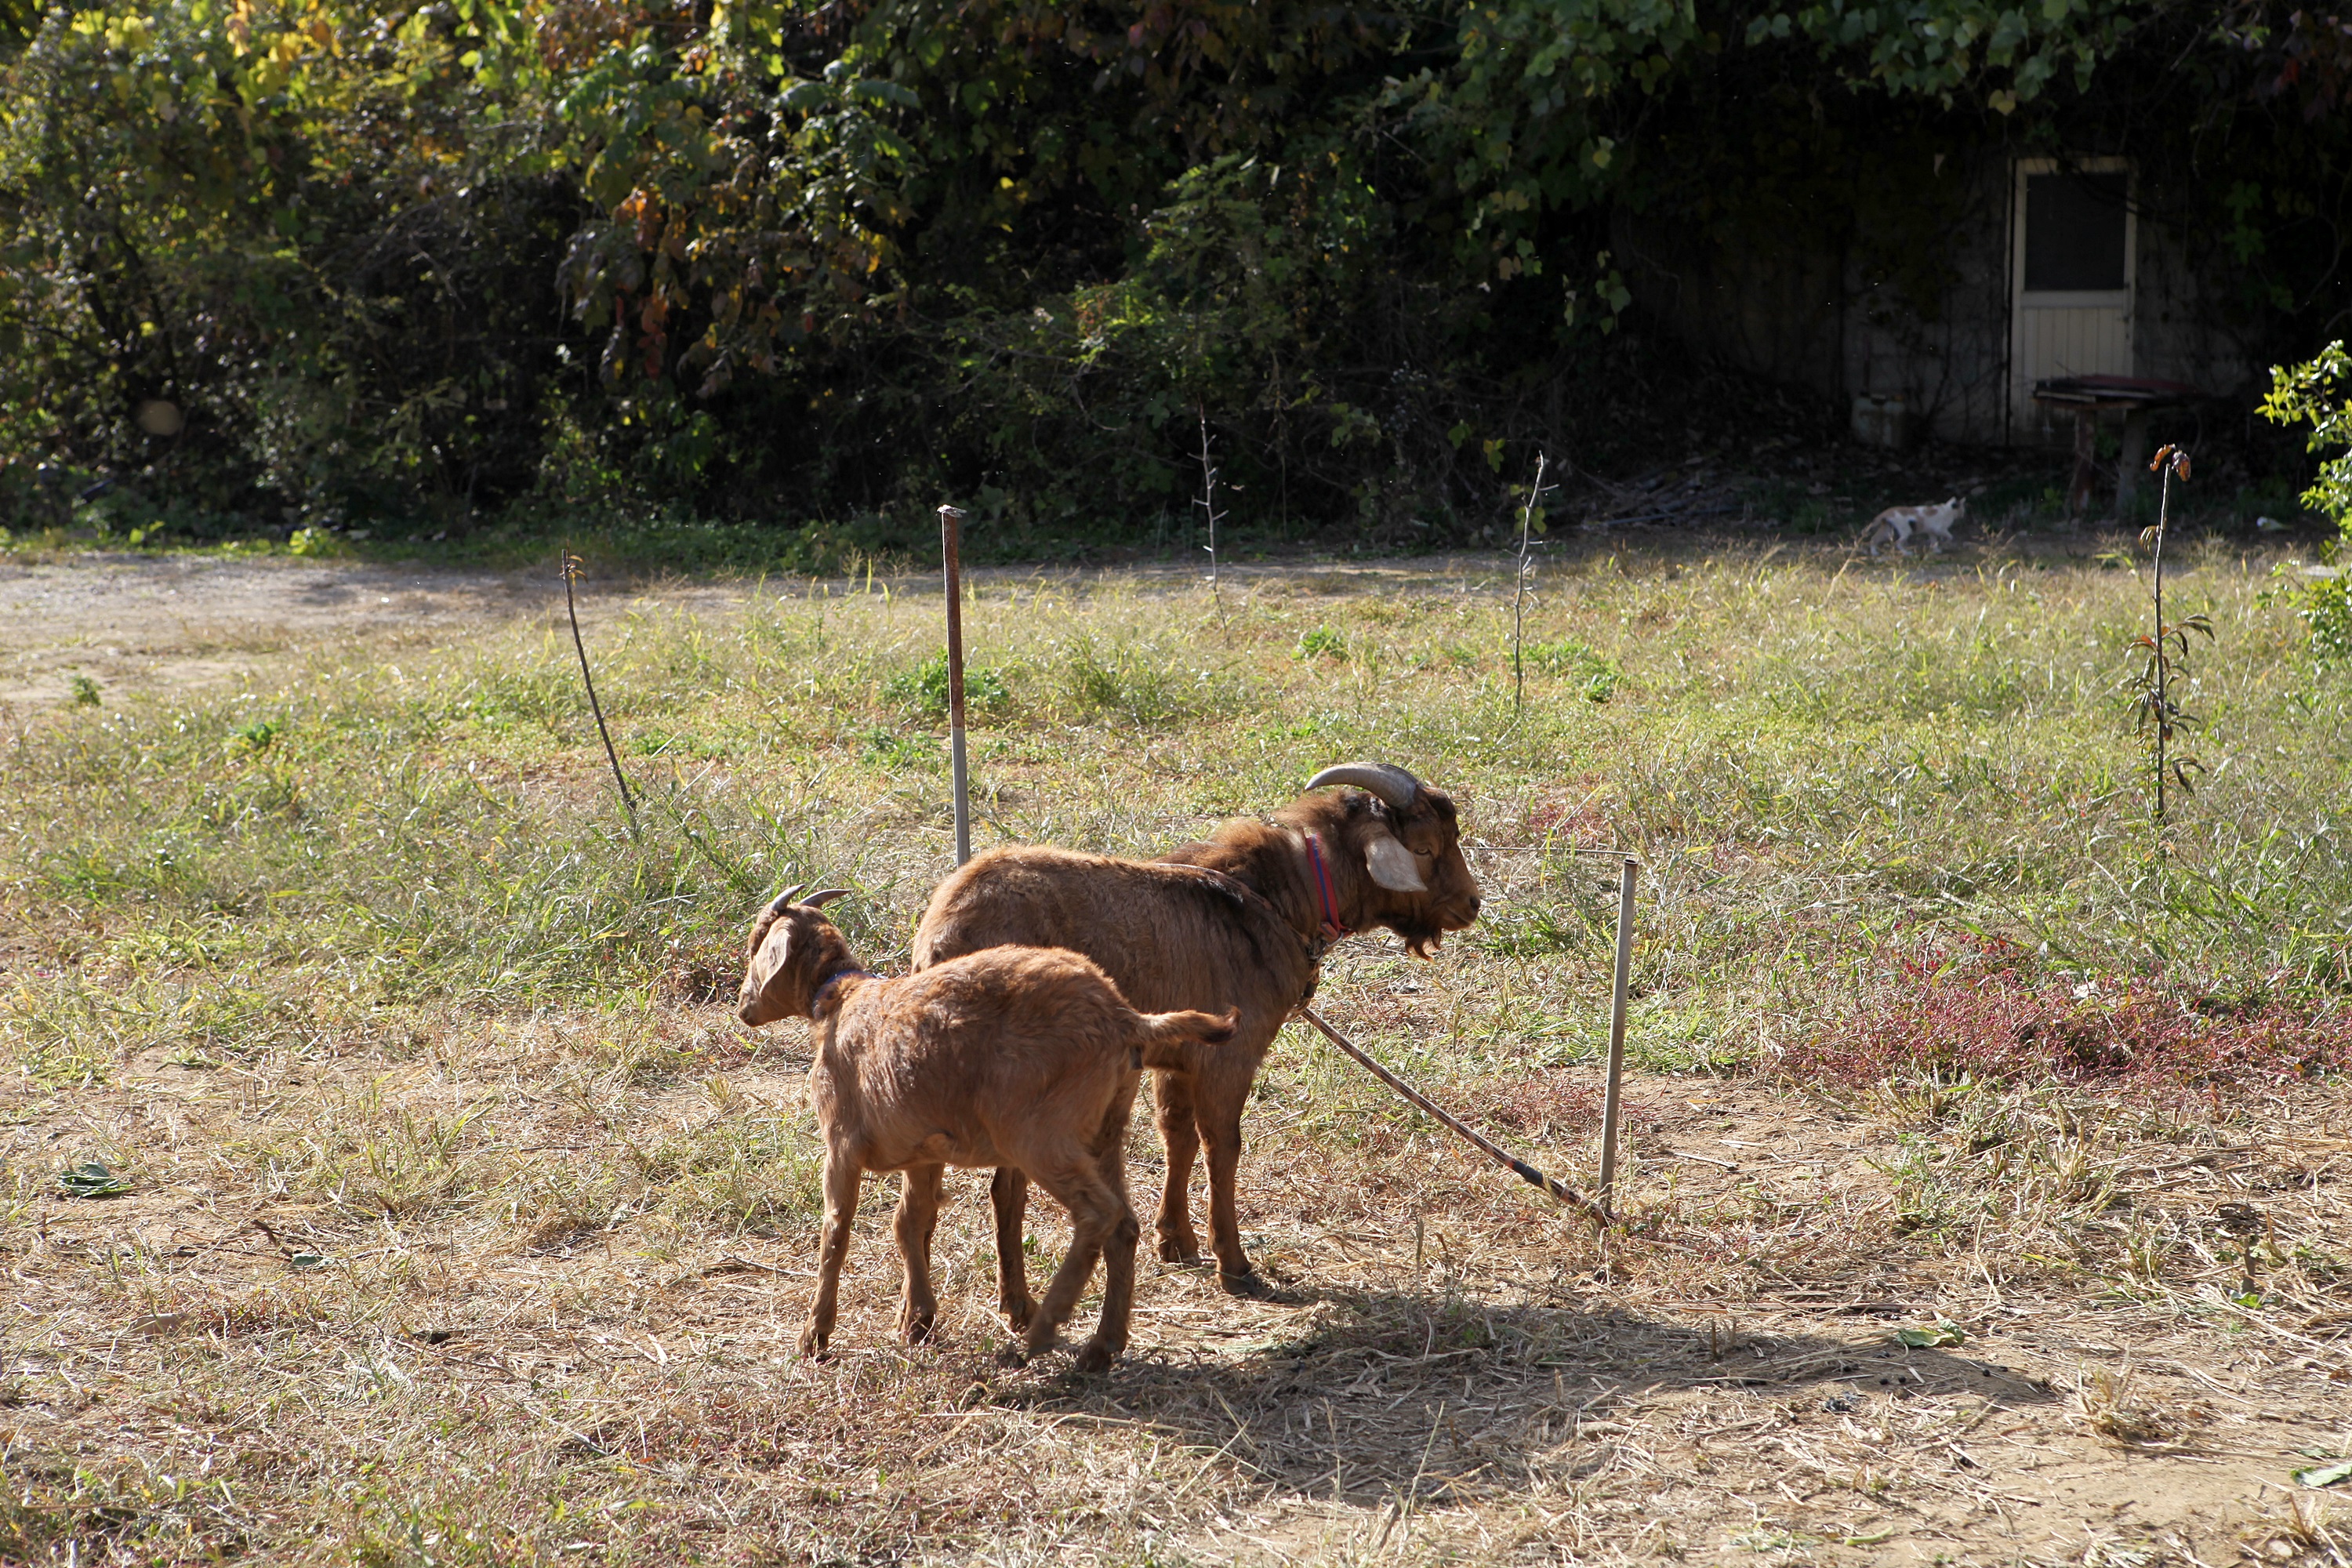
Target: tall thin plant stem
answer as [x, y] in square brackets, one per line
[1519, 596]
[2167, 647]
[573, 567]
[2163, 664]
[1208, 503]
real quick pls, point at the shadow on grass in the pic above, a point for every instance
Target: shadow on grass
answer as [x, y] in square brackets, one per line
[1437, 1398]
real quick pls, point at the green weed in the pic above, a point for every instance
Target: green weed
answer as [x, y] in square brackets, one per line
[924, 690]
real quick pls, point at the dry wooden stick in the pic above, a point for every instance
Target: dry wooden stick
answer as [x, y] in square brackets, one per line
[573, 567]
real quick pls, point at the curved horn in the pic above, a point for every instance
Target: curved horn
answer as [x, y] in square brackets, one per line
[818, 901]
[1397, 787]
[783, 900]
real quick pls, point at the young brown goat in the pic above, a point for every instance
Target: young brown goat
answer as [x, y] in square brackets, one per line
[1021, 1059]
[1249, 934]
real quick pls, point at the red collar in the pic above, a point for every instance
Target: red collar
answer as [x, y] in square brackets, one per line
[1333, 928]
[816, 1003]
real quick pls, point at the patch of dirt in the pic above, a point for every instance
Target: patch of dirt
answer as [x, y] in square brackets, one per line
[1455, 1373]
[159, 624]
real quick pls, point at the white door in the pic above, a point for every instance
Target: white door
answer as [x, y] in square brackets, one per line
[2070, 282]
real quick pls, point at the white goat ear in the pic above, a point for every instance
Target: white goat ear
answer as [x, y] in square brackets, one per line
[1391, 864]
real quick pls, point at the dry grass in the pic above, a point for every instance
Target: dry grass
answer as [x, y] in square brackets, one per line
[464, 1228]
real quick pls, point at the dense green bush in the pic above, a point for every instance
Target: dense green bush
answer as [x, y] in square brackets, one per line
[799, 264]
[326, 247]
[2320, 394]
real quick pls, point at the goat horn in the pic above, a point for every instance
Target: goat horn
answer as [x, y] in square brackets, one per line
[1399, 788]
[783, 900]
[818, 901]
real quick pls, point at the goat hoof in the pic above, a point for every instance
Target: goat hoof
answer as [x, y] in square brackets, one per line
[1019, 1313]
[917, 1329]
[1177, 1249]
[1013, 1356]
[813, 1344]
[1095, 1360]
[1249, 1283]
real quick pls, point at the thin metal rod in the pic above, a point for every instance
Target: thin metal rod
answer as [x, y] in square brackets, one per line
[1501, 1156]
[573, 567]
[948, 518]
[1610, 1103]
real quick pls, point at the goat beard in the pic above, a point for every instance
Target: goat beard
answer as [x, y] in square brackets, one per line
[1422, 937]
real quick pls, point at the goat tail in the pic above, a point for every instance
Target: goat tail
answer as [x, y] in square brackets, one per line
[1165, 1035]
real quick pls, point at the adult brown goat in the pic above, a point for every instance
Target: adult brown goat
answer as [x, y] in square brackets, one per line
[1012, 1058]
[1240, 918]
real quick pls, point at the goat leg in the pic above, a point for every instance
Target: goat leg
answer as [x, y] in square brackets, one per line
[843, 1175]
[1110, 1151]
[1008, 1194]
[1234, 1271]
[1109, 1342]
[1171, 1095]
[919, 1215]
[1095, 1209]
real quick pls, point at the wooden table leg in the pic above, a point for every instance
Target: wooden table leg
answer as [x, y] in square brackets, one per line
[2086, 451]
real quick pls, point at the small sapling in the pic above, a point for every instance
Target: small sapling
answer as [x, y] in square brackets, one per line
[2166, 647]
[1525, 573]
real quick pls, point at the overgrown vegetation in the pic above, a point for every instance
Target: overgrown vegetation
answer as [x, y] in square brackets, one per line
[1946, 748]
[304, 265]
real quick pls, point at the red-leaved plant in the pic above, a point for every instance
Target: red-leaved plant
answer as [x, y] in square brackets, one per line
[1947, 1015]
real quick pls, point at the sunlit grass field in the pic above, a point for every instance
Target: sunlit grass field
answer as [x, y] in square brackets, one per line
[1811, 763]
[360, 979]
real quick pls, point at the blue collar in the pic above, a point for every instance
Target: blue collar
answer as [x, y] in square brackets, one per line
[816, 1003]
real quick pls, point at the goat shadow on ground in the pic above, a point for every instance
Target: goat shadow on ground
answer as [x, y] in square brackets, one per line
[1438, 1397]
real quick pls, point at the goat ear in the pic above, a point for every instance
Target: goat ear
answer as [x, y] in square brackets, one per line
[770, 960]
[1391, 864]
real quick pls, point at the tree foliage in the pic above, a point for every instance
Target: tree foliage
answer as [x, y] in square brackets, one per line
[780, 259]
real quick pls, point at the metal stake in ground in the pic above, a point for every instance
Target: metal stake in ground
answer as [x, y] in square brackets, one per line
[949, 517]
[1608, 1194]
[1503, 1157]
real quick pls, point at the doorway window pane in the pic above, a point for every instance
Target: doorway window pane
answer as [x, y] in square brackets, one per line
[2074, 232]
